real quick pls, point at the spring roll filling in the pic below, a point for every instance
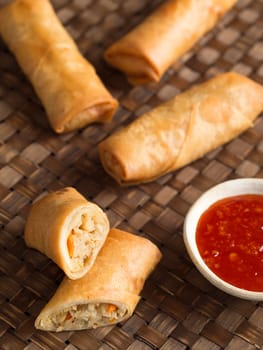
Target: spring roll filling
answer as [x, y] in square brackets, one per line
[82, 241]
[90, 315]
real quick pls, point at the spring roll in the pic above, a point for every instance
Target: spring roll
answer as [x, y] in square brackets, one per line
[182, 129]
[147, 51]
[66, 83]
[109, 292]
[67, 228]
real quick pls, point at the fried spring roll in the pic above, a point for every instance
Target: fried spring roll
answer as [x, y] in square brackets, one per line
[109, 292]
[66, 83]
[183, 129]
[68, 229]
[147, 51]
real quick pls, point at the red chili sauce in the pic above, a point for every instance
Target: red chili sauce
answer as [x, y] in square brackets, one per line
[229, 237]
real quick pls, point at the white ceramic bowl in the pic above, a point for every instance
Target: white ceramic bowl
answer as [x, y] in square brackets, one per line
[223, 190]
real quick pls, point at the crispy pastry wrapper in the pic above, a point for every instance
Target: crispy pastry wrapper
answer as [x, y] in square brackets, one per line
[66, 83]
[109, 292]
[182, 129]
[67, 228]
[147, 51]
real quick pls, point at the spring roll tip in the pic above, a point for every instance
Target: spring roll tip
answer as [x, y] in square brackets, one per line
[98, 113]
[118, 169]
[126, 58]
[111, 164]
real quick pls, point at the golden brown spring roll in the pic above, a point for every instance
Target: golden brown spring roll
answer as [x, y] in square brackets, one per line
[147, 51]
[182, 129]
[109, 292]
[66, 83]
[68, 229]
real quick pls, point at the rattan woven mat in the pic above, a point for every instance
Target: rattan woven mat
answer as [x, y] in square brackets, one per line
[179, 309]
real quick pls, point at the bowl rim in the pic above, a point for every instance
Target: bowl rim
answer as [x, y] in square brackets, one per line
[222, 190]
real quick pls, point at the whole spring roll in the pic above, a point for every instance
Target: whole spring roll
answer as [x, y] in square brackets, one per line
[66, 83]
[109, 292]
[182, 129]
[68, 229]
[147, 51]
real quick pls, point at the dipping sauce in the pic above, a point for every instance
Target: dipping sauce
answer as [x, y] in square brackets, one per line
[229, 237]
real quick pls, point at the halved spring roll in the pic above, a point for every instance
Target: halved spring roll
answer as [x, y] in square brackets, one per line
[68, 229]
[147, 51]
[183, 129]
[109, 292]
[66, 83]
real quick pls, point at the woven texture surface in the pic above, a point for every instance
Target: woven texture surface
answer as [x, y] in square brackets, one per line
[179, 309]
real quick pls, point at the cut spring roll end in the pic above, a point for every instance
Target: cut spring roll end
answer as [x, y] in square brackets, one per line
[87, 315]
[83, 237]
[68, 229]
[109, 292]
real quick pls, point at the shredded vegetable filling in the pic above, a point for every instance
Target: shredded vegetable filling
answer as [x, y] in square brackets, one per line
[82, 241]
[86, 316]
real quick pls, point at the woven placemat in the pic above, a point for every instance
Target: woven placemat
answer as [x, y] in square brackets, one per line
[179, 309]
